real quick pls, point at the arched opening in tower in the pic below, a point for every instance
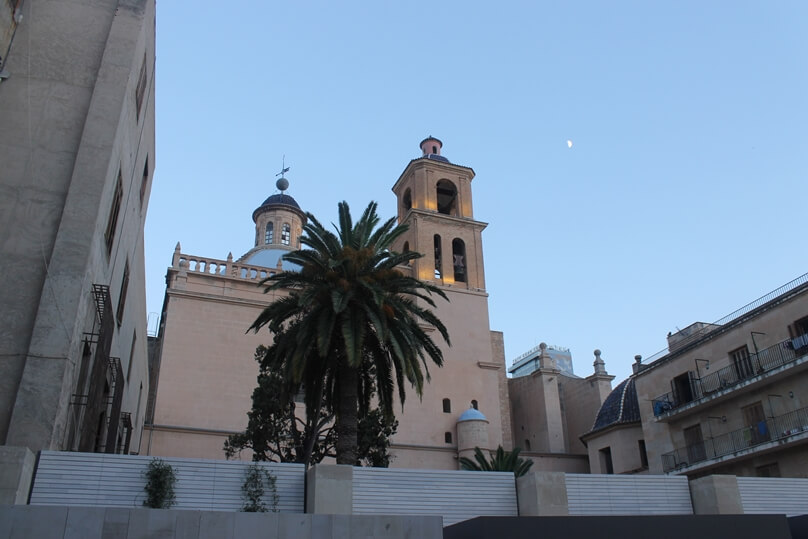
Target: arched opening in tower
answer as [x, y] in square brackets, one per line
[459, 260]
[437, 256]
[447, 198]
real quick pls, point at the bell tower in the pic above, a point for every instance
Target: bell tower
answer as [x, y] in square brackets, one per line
[434, 198]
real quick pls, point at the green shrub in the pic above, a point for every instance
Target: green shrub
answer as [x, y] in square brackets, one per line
[160, 481]
[258, 484]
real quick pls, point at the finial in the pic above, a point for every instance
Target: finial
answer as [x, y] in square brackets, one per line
[599, 364]
[282, 184]
[637, 364]
[177, 248]
[230, 256]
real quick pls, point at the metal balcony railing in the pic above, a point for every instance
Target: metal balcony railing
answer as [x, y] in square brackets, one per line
[776, 428]
[763, 361]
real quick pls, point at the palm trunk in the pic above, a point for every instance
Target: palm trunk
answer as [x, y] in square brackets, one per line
[347, 414]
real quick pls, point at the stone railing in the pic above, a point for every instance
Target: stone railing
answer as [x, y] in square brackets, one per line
[227, 268]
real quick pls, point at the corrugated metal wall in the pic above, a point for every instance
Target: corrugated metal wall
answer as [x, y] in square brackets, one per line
[117, 480]
[774, 495]
[628, 495]
[454, 495]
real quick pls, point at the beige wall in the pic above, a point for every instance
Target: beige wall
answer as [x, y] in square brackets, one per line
[622, 440]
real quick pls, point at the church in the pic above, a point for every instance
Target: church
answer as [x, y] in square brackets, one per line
[204, 372]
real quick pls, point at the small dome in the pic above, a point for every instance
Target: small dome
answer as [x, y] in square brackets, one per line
[283, 199]
[278, 201]
[471, 415]
[621, 406]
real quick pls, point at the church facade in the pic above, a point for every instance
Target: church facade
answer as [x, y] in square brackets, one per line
[205, 359]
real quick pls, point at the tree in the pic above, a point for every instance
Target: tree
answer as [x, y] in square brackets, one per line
[352, 320]
[277, 432]
[501, 461]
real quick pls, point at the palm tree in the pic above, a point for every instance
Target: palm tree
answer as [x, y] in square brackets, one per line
[352, 319]
[501, 461]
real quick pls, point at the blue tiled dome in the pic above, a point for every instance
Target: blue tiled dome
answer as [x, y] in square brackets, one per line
[471, 415]
[284, 199]
[621, 406]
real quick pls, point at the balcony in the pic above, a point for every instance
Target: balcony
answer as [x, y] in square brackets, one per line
[775, 431]
[757, 366]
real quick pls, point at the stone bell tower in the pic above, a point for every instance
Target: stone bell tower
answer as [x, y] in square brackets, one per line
[434, 198]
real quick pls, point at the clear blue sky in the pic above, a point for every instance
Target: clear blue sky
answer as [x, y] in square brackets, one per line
[682, 198]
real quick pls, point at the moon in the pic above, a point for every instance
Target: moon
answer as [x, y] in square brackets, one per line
[569, 143]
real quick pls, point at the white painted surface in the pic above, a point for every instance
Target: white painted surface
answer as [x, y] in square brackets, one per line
[97, 479]
[628, 495]
[774, 495]
[454, 495]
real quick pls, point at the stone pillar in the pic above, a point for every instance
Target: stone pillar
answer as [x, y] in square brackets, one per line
[16, 472]
[329, 489]
[600, 379]
[716, 495]
[542, 494]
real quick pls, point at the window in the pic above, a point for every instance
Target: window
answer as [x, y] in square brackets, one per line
[742, 362]
[437, 256]
[643, 454]
[683, 388]
[112, 220]
[140, 89]
[434, 149]
[459, 260]
[122, 295]
[527, 444]
[447, 197]
[268, 234]
[286, 234]
[447, 406]
[800, 335]
[145, 181]
[447, 437]
[131, 357]
[474, 404]
[605, 455]
[757, 430]
[406, 200]
[695, 444]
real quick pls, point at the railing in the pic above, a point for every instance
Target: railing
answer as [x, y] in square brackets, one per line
[228, 268]
[775, 428]
[749, 307]
[763, 361]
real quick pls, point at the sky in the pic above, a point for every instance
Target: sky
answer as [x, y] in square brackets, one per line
[681, 198]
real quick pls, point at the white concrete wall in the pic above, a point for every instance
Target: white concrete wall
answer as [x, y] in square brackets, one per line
[95, 479]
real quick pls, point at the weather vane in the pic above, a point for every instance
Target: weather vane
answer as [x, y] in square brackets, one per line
[284, 168]
[282, 183]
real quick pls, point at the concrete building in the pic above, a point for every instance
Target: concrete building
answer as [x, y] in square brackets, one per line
[530, 361]
[77, 153]
[731, 397]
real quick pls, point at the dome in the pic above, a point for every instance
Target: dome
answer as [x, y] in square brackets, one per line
[621, 406]
[281, 198]
[268, 258]
[471, 415]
